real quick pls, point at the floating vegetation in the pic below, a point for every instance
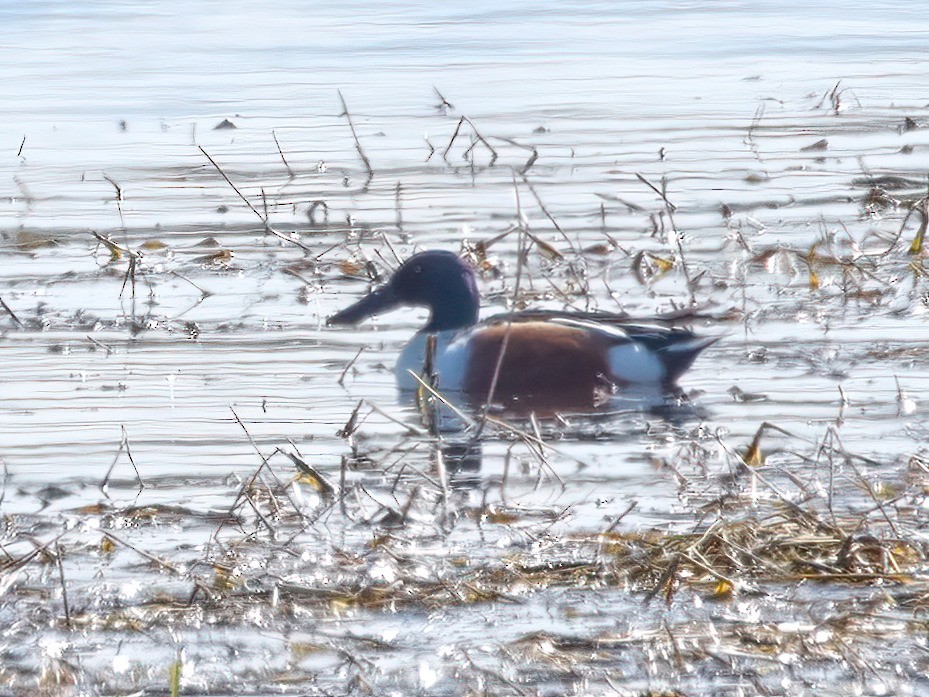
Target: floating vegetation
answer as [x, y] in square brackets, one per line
[293, 556]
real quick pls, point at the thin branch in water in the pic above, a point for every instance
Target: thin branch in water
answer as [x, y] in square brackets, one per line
[130, 276]
[254, 210]
[465, 418]
[204, 293]
[264, 460]
[750, 138]
[119, 191]
[351, 125]
[24, 560]
[244, 491]
[520, 254]
[6, 479]
[631, 207]
[214, 537]
[100, 344]
[482, 139]
[64, 589]
[441, 472]
[530, 162]
[117, 251]
[662, 194]
[398, 206]
[11, 314]
[281, 153]
[670, 208]
[234, 187]
[390, 246]
[532, 158]
[123, 446]
[341, 379]
[452, 140]
[21, 146]
[411, 430]
[119, 199]
[581, 281]
[166, 565]
[348, 430]
[343, 469]
[132, 459]
[618, 519]
[444, 104]
[551, 218]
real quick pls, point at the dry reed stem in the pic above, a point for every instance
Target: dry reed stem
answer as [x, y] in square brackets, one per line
[280, 152]
[64, 587]
[351, 125]
[263, 219]
[520, 260]
[11, 314]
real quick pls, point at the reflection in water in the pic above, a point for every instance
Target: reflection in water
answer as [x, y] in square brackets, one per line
[460, 426]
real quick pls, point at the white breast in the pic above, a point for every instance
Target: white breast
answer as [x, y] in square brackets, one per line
[451, 360]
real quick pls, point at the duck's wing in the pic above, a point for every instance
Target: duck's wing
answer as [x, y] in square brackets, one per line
[640, 347]
[672, 350]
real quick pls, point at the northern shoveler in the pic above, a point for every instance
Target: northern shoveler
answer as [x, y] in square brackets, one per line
[547, 357]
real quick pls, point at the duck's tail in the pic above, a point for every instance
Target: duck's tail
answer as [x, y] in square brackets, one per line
[677, 356]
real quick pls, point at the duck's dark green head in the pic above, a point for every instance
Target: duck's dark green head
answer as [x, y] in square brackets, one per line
[438, 280]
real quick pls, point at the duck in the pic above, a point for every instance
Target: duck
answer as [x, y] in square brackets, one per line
[548, 357]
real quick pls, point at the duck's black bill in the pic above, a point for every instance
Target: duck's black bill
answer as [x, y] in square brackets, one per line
[375, 302]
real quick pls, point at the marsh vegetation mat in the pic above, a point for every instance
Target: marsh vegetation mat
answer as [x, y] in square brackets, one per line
[205, 490]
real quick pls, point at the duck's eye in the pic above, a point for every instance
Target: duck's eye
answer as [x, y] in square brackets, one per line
[417, 269]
